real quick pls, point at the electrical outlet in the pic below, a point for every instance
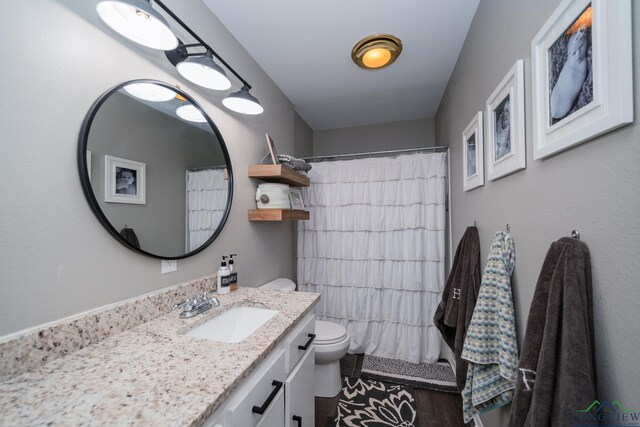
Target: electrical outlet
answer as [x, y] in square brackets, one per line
[169, 265]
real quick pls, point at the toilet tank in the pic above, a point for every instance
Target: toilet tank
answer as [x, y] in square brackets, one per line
[281, 284]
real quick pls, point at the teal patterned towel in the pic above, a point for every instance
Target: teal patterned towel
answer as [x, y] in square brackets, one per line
[491, 346]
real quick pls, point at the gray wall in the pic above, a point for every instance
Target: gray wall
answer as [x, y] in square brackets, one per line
[592, 187]
[57, 259]
[302, 137]
[168, 146]
[385, 136]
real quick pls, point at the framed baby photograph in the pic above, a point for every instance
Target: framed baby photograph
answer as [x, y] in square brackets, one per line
[295, 195]
[473, 154]
[505, 125]
[124, 181]
[582, 83]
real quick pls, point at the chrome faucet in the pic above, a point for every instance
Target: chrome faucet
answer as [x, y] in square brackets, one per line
[193, 306]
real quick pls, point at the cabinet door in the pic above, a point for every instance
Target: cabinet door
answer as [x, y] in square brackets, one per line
[275, 414]
[299, 392]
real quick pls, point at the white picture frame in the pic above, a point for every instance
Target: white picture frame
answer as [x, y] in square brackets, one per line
[124, 181]
[473, 154]
[600, 39]
[506, 152]
[295, 196]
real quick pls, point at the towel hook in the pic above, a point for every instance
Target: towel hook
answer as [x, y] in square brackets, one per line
[508, 229]
[475, 223]
[575, 234]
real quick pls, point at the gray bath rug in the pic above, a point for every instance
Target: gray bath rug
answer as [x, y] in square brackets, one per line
[432, 376]
[368, 403]
[348, 365]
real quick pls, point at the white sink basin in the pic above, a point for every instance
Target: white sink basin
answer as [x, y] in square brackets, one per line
[234, 325]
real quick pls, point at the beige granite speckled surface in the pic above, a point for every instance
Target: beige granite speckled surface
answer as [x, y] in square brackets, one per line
[152, 374]
[30, 349]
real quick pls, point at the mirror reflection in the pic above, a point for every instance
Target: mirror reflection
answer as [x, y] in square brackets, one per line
[156, 169]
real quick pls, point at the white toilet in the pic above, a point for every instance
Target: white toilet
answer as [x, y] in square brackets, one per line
[331, 343]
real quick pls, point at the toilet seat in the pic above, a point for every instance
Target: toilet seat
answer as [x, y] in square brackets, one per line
[329, 333]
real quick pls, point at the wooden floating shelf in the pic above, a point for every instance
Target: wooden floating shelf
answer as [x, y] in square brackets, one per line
[278, 215]
[279, 173]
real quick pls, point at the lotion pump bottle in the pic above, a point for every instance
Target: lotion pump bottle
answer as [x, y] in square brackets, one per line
[223, 278]
[233, 278]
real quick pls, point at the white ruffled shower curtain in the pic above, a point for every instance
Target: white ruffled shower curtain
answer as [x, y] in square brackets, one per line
[374, 249]
[207, 192]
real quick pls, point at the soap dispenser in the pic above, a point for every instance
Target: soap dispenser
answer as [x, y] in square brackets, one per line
[223, 278]
[233, 277]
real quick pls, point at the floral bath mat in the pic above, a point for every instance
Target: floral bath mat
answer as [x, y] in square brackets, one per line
[368, 403]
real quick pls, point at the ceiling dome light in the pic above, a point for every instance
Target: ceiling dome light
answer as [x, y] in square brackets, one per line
[150, 92]
[243, 102]
[376, 51]
[190, 114]
[139, 22]
[203, 71]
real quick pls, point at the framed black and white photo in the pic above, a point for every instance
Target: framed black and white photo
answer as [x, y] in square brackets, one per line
[272, 150]
[124, 181]
[582, 74]
[473, 154]
[295, 195]
[505, 125]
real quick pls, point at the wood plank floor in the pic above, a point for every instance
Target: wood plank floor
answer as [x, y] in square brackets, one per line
[435, 409]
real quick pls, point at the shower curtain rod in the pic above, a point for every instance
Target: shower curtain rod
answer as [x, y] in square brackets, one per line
[376, 153]
[202, 168]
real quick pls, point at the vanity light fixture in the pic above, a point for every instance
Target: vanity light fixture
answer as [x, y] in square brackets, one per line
[376, 51]
[150, 92]
[203, 71]
[190, 114]
[139, 22]
[243, 102]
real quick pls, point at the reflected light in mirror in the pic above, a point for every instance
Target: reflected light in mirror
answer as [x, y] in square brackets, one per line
[190, 114]
[150, 92]
[139, 22]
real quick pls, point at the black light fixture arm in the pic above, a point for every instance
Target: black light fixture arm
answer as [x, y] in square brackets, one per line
[201, 42]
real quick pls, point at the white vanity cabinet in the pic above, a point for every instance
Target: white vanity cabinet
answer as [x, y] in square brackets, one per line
[280, 390]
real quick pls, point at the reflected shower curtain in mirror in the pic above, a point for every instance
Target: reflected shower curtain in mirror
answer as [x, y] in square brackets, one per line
[374, 249]
[207, 192]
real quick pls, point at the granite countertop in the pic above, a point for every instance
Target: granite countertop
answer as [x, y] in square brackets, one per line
[152, 374]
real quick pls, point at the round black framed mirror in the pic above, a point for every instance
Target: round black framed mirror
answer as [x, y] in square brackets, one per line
[155, 169]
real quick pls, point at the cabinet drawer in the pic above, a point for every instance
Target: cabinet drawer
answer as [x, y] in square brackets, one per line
[299, 337]
[255, 391]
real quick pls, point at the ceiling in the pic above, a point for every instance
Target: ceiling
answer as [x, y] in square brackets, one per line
[305, 47]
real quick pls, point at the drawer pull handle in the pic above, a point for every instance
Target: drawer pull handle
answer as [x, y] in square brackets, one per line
[306, 346]
[260, 409]
[298, 419]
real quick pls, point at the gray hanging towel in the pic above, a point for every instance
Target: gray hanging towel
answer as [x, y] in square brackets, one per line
[556, 375]
[130, 236]
[459, 299]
